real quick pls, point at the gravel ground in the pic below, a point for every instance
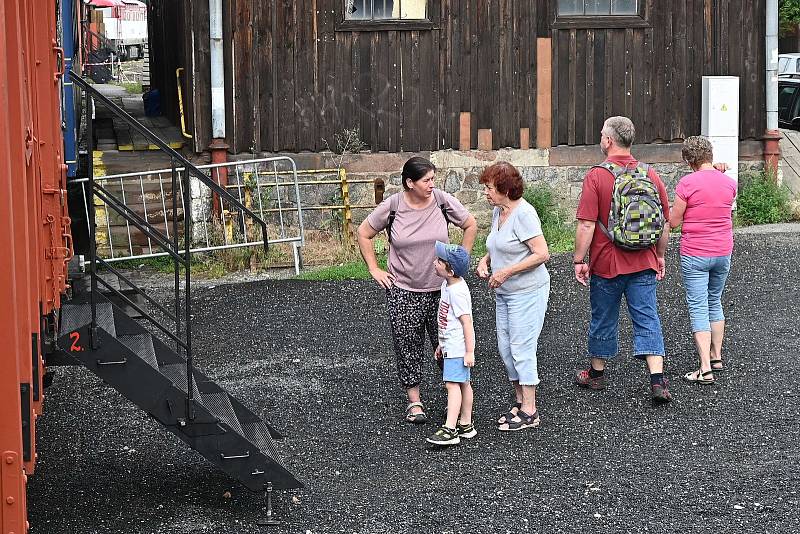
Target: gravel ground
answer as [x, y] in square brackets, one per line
[315, 359]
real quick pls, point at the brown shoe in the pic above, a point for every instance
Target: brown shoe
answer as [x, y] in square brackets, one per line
[660, 392]
[583, 379]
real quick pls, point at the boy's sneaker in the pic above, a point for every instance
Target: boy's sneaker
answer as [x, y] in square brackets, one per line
[585, 381]
[660, 391]
[466, 431]
[444, 436]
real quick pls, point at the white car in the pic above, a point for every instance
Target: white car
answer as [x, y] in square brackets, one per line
[788, 64]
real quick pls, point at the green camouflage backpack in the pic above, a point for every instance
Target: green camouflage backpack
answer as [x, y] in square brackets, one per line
[636, 218]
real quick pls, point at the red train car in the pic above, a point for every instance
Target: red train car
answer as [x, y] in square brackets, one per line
[35, 243]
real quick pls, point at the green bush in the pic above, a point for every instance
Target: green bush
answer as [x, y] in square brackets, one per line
[557, 226]
[761, 201]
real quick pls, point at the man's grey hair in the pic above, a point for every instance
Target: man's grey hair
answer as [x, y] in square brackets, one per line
[621, 130]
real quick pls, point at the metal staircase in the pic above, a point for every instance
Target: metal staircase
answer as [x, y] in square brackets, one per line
[154, 377]
[149, 361]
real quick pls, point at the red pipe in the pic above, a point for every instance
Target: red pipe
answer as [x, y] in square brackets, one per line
[772, 151]
[219, 154]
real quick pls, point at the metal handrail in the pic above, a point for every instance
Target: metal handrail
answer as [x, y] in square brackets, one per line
[144, 314]
[145, 227]
[181, 256]
[136, 288]
[187, 165]
[104, 41]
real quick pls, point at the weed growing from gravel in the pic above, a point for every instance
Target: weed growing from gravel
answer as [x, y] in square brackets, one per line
[353, 270]
[761, 200]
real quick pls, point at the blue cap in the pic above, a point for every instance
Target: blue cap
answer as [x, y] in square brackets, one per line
[455, 255]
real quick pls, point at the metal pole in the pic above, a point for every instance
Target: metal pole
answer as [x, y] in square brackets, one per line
[772, 136]
[217, 70]
[772, 64]
[187, 243]
[347, 213]
[92, 229]
[175, 260]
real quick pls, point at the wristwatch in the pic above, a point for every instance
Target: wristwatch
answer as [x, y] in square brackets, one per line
[578, 262]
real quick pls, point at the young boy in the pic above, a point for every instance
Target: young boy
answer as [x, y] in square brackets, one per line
[456, 344]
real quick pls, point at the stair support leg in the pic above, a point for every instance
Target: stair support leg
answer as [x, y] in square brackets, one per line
[268, 520]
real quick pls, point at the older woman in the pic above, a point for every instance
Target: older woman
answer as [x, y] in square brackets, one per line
[414, 219]
[703, 207]
[515, 269]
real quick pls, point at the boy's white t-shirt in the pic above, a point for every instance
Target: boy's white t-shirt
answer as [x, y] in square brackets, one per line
[454, 302]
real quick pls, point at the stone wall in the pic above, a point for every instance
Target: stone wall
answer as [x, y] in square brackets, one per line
[458, 172]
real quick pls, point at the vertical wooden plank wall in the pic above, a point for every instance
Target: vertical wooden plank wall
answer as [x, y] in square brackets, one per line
[296, 80]
[654, 74]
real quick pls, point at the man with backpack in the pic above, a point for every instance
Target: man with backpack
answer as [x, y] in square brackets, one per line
[622, 225]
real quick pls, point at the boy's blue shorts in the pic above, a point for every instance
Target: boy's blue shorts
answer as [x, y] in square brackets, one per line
[455, 370]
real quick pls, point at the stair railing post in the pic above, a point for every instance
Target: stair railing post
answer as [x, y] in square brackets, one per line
[175, 260]
[92, 230]
[187, 243]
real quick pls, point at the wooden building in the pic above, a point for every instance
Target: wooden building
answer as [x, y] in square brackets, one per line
[427, 75]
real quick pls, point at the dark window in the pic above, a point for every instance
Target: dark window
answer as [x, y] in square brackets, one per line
[368, 10]
[785, 97]
[601, 14]
[598, 7]
[376, 15]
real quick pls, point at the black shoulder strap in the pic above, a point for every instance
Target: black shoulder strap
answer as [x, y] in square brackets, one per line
[394, 203]
[442, 204]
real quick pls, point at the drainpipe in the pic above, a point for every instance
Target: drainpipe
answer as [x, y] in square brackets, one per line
[772, 136]
[218, 147]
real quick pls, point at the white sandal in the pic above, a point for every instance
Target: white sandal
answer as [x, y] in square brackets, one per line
[699, 377]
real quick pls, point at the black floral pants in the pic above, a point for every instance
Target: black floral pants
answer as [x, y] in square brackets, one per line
[411, 314]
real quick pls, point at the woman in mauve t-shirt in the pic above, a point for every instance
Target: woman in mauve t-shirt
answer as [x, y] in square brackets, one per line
[703, 207]
[411, 283]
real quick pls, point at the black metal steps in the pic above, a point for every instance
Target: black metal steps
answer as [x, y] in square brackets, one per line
[153, 376]
[142, 345]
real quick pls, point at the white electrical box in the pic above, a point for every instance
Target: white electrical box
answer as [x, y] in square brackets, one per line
[726, 150]
[720, 120]
[720, 106]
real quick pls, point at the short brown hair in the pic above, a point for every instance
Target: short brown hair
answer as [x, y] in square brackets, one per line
[697, 150]
[505, 178]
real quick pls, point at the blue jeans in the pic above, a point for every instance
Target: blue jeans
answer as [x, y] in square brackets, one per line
[519, 321]
[704, 279]
[605, 296]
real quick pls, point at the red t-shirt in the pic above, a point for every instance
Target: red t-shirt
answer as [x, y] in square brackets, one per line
[606, 259]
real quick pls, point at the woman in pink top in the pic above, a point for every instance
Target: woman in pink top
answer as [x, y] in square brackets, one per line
[419, 217]
[703, 207]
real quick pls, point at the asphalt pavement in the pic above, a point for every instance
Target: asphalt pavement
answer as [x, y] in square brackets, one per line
[315, 360]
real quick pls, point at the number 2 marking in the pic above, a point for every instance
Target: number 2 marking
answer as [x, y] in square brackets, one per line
[75, 337]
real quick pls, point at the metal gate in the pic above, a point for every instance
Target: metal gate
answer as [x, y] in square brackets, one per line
[267, 186]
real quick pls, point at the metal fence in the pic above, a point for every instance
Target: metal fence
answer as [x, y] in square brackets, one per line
[267, 186]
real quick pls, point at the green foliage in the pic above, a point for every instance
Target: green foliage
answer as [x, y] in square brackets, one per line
[761, 200]
[134, 88]
[354, 270]
[162, 264]
[557, 225]
[788, 15]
